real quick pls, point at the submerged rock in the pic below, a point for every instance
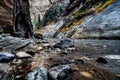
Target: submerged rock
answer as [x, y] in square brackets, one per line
[37, 74]
[60, 72]
[6, 57]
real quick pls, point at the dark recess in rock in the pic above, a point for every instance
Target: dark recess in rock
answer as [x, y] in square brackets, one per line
[31, 53]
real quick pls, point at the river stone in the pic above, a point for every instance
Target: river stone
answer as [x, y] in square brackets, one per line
[37, 74]
[60, 72]
[39, 48]
[64, 44]
[46, 45]
[6, 57]
[23, 55]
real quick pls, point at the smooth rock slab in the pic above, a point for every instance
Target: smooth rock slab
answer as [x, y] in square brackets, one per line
[6, 57]
[37, 74]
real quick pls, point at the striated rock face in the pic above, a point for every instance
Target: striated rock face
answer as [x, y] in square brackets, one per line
[38, 7]
[6, 10]
[106, 24]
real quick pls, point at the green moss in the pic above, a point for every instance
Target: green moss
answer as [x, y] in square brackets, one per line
[34, 21]
[39, 23]
[77, 13]
[68, 24]
[103, 2]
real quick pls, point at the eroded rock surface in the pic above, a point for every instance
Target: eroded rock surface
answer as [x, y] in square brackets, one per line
[105, 24]
[6, 13]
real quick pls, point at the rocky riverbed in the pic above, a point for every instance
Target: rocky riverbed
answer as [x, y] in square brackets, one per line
[52, 59]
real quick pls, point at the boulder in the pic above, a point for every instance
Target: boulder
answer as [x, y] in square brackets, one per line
[60, 72]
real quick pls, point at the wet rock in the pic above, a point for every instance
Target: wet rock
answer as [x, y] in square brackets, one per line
[79, 61]
[64, 44]
[23, 55]
[6, 57]
[60, 72]
[37, 74]
[102, 60]
[31, 53]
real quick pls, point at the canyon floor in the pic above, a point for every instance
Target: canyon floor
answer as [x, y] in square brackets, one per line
[87, 59]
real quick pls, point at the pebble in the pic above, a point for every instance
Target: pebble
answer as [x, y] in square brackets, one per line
[23, 55]
[46, 45]
[71, 49]
[39, 48]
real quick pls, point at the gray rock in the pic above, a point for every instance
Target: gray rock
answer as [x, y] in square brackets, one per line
[105, 24]
[23, 55]
[60, 72]
[6, 57]
[13, 43]
[64, 44]
[37, 74]
[51, 30]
